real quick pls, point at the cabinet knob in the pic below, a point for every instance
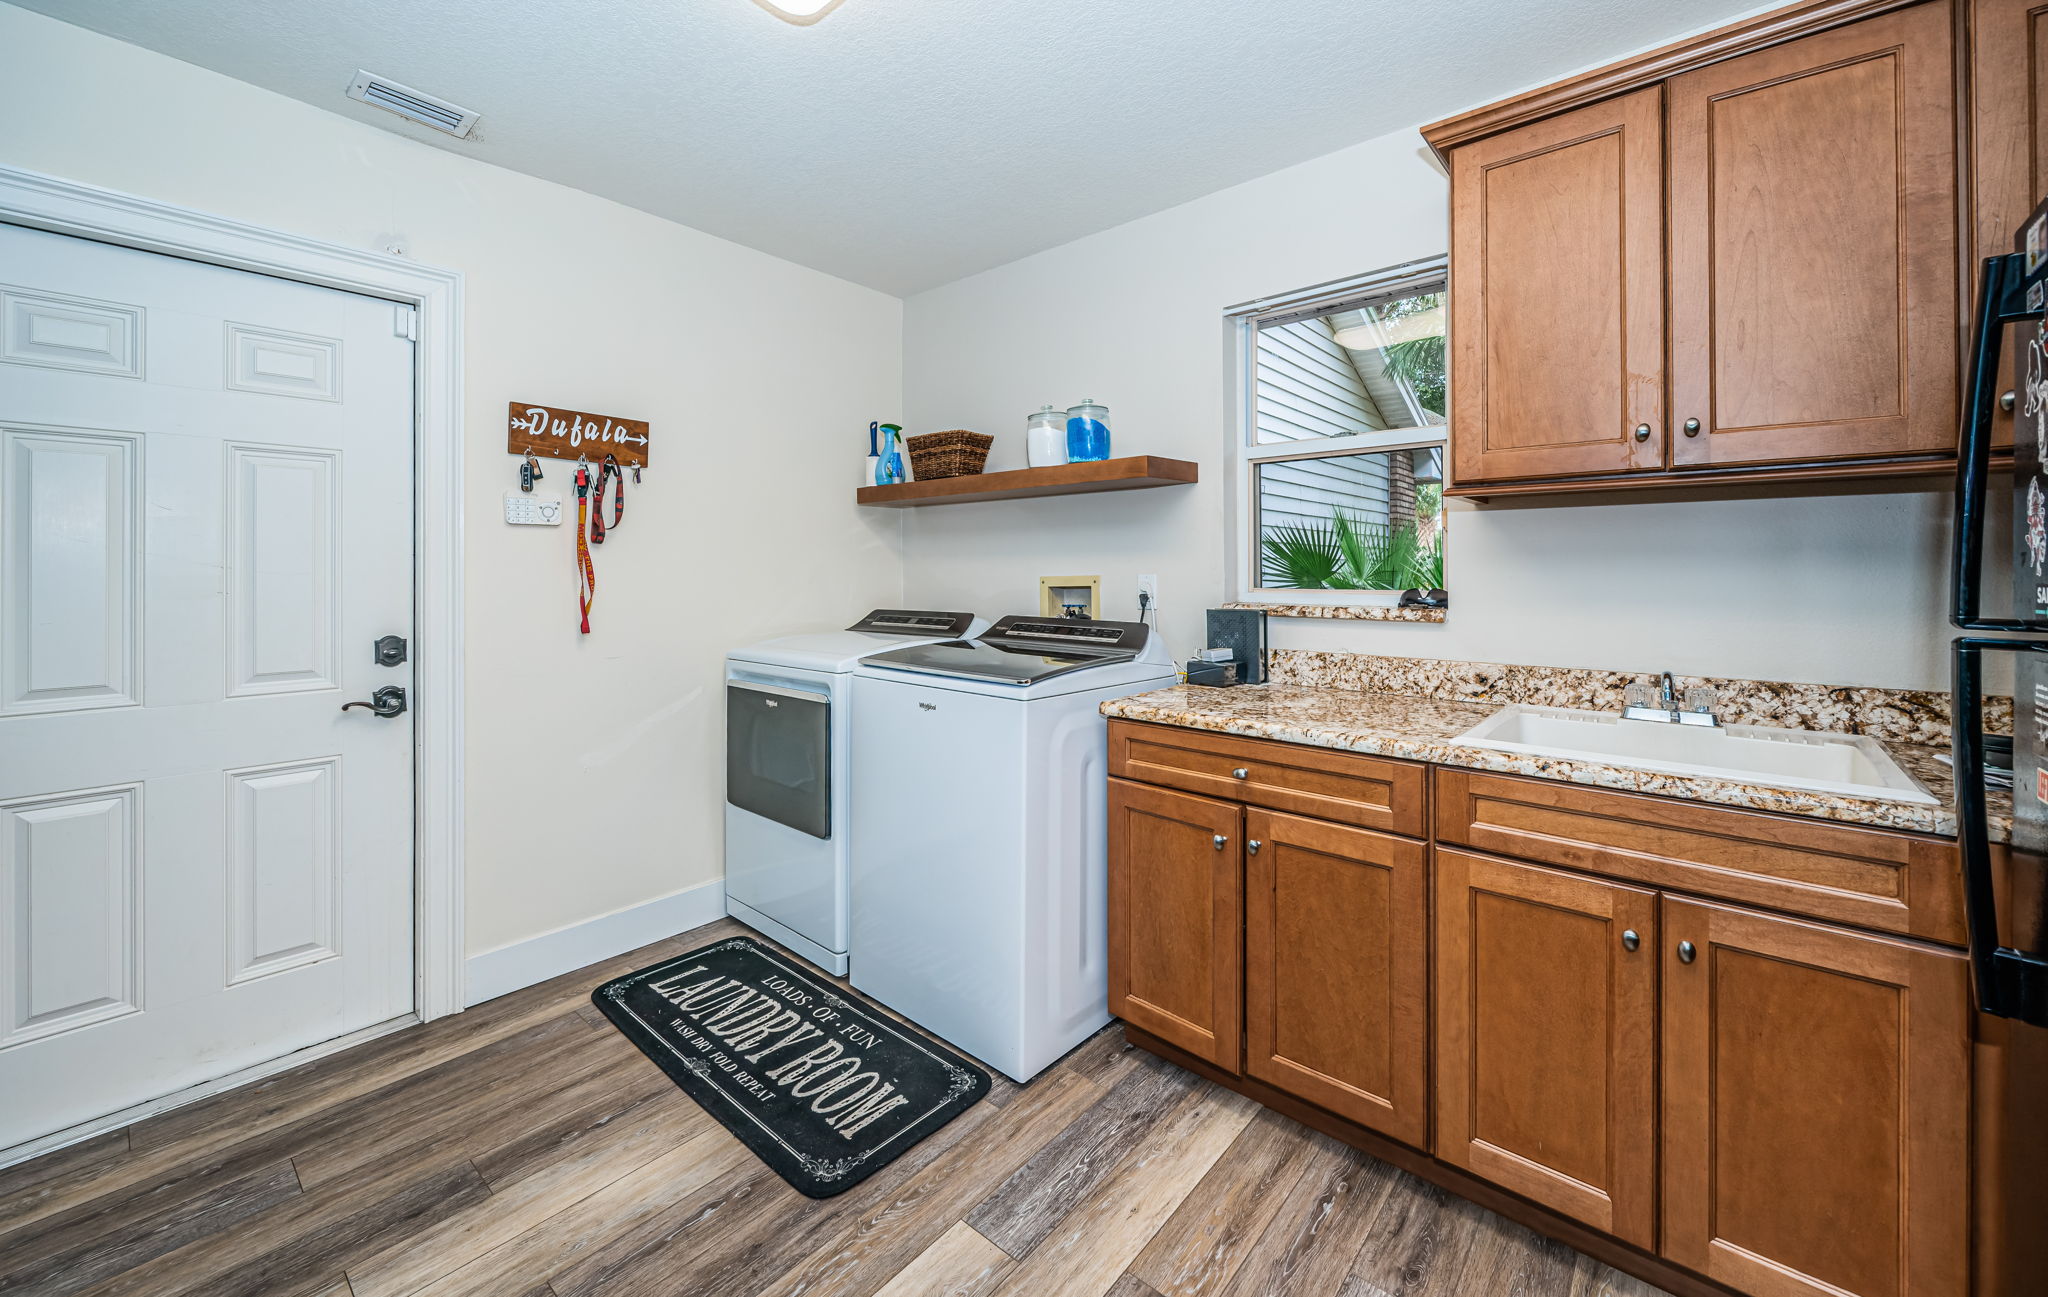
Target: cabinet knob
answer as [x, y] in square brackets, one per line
[2006, 402]
[1220, 840]
[1252, 845]
[1642, 432]
[1687, 952]
[1630, 941]
[1692, 427]
[1240, 773]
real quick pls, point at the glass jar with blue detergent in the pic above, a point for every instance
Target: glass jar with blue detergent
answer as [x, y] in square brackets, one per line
[1087, 432]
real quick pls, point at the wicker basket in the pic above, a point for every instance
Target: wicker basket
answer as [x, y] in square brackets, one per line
[953, 453]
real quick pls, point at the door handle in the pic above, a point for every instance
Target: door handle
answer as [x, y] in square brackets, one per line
[1220, 840]
[387, 702]
[1240, 773]
[1252, 845]
[1630, 941]
[1687, 952]
[1642, 432]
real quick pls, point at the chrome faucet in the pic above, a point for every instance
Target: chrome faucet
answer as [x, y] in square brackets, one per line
[1666, 707]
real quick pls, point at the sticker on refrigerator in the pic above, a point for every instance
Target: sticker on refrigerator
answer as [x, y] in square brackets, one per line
[2037, 527]
[2037, 241]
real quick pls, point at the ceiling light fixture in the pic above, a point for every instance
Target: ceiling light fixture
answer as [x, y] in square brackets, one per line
[801, 12]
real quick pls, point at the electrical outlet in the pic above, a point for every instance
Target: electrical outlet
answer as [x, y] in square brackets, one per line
[1148, 591]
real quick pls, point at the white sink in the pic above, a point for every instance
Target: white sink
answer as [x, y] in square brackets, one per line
[1757, 754]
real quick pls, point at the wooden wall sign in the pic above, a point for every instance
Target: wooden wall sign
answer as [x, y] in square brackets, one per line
[574, 434]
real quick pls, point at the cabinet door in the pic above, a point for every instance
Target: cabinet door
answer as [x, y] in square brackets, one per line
[1546, 1038]
[1557, 296]
[1175, 866]
[2009, 137]
[1816, 1107]
[1813, 247]
[1336, 977]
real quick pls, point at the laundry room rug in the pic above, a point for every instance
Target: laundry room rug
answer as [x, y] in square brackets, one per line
[825, 1088]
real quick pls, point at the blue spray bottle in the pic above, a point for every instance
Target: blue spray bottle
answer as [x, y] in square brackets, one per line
[891, 469]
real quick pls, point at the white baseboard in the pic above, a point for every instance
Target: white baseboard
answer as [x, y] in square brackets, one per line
[536, 959]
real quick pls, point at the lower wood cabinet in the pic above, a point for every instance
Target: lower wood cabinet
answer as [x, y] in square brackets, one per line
[1336, 969]
[1175, 919]
[1782, 1105]
[1816, 1107]
[1546, 1038]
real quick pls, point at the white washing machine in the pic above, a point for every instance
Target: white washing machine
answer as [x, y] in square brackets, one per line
[980, 870]
[788, 762]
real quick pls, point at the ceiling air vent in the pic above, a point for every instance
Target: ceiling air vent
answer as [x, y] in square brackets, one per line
[382, 92]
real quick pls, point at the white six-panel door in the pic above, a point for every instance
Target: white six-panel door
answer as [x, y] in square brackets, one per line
[205, 523]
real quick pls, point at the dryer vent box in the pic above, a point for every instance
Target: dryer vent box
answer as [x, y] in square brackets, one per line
[414, 105]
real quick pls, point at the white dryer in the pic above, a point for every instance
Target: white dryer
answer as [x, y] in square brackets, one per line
[980, 854]
[788, 791]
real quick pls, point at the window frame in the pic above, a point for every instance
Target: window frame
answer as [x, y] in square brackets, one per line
[1246, 454]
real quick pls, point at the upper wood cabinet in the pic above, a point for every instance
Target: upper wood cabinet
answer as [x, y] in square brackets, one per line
[1336, 969]
[1557, 309]
[1813, 250]
[2009, 138]
[1731, 259]
[1175, 918]
[1816, 1107]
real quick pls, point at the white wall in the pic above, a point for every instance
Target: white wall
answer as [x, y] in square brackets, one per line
[1843, 587]
[595, 765]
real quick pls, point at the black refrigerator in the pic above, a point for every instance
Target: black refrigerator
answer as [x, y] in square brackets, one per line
[2005, 886]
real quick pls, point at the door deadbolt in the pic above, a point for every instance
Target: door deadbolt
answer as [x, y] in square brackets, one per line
[390, 650]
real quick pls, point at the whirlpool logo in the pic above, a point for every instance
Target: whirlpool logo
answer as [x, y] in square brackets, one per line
[929, 707]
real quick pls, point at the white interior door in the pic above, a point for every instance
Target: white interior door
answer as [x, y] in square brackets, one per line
[205, 523]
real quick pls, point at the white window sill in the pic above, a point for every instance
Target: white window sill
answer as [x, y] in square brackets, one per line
[1346, 611]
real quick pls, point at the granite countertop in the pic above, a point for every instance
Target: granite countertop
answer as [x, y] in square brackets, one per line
[1421, 729]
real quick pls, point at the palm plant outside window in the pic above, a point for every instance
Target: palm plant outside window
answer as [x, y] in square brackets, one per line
[1341, 466]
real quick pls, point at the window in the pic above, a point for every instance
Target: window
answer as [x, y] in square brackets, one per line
[1341, 457]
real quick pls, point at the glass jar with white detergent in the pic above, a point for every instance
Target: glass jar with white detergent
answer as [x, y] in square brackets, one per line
[1087, 432]
[1045, 438]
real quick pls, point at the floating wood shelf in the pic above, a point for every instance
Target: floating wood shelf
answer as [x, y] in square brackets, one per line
[1127, 474]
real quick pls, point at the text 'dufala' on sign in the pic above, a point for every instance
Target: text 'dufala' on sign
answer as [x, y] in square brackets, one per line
[574, 434]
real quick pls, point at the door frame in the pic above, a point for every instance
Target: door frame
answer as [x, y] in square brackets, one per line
[42, 202]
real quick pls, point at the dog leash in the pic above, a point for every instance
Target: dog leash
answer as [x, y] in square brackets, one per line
[586, 571]
[608, 471]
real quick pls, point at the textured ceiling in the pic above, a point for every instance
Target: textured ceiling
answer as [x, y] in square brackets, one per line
[903, 143]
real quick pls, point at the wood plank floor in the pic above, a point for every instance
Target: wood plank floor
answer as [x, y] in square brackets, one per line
[525, 1149]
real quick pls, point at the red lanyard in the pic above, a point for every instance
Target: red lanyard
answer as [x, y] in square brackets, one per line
[608, 471]
[586, 571]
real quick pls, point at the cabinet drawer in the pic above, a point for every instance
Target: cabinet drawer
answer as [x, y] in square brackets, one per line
[1342, 786]
[1874, 878]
